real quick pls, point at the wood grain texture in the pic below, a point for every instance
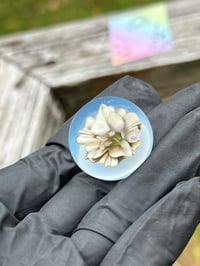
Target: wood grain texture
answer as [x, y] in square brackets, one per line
[74, 60]
[71, 54]
[28, 114]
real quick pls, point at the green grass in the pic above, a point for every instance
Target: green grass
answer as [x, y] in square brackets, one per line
[22, 15]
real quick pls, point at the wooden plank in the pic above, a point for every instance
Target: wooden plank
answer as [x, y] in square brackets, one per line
[28, 114]
[74, 53]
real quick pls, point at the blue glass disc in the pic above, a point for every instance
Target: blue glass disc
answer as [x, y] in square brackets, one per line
[126, 166]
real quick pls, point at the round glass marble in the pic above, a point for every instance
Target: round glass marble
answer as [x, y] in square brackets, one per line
[128, 165]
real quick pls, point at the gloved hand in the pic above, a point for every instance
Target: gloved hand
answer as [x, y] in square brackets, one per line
[35, 224]
[175, 158]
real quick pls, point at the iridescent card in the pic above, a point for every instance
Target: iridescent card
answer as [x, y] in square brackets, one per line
[140, 33]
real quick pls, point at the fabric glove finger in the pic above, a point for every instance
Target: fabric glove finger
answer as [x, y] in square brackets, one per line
[41, 174]
[159, 236]
[30, 242]
[175, 158]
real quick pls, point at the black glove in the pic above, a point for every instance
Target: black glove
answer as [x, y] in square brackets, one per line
[35, 223]
[26, 186]
[175, 158]
[161, 233]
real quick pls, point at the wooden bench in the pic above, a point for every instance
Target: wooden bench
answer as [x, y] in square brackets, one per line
[70, 63]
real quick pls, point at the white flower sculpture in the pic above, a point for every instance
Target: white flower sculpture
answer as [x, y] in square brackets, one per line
[112, 136]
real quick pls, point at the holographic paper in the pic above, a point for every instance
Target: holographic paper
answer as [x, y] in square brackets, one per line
[140, 33]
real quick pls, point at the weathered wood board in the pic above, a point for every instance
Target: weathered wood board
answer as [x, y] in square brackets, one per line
[74, 53]
[74, 60]
[28, 113]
